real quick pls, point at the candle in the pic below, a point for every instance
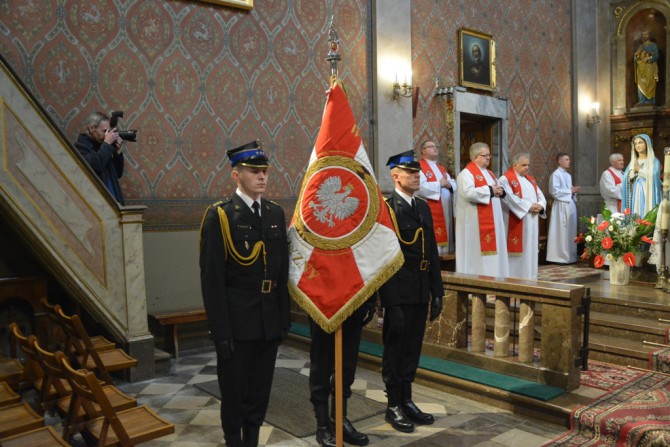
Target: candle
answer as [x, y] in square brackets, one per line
[666, 170]
[665, 215]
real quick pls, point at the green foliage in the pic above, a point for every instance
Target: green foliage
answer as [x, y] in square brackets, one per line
[617, 235]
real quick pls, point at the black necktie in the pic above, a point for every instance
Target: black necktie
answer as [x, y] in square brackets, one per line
[414, 205]
[257, 211]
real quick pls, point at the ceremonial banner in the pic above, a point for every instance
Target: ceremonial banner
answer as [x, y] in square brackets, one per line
[343, 243]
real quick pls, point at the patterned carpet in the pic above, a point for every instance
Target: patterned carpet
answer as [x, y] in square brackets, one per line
[659, 360]
[608, 377]
[637, 414]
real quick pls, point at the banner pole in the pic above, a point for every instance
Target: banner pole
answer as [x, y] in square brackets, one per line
[338, 388]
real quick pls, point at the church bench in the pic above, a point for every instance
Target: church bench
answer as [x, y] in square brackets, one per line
[7, 395]
[18, 418]
[105, 425]
[39, 437]
[170, 323]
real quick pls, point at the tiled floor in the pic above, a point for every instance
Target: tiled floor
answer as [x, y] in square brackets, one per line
[459, 422]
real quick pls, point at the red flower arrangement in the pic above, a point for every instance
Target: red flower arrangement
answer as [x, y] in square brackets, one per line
[618, 236]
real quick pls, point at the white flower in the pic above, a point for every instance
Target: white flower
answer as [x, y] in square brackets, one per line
[589, 238]
[608, 256]
[611, 228]
[593, 219]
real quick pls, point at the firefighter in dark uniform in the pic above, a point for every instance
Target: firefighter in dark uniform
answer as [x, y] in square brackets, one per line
[321, 370]
[409, 294]
[244, 274]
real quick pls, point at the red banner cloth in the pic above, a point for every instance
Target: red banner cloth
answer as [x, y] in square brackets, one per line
[343, 243]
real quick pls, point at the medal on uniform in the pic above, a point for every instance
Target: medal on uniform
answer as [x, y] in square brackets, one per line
[246, 245]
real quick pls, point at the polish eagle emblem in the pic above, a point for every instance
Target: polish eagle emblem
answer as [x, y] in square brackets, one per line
[334, 202]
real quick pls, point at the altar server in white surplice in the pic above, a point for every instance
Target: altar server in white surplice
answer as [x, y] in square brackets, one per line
[438, 188]
[561, 245]
[481, 241]
[610, 183]
[524, 204]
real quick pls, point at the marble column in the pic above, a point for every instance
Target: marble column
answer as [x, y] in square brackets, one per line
[526, 331]
[478, 323]
[501, 328]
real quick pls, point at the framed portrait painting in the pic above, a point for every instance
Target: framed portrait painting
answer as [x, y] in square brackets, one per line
[243, 4]
[476, 56]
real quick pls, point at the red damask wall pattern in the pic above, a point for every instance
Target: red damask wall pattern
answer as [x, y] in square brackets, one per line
[533, 60]
[195, 79]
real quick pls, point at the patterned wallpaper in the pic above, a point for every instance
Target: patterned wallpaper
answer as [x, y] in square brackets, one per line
[195, 79]
[534, 61]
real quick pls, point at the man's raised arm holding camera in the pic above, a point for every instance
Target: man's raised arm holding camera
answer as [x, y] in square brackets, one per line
[101, 147]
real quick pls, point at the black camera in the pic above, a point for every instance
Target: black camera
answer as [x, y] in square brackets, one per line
[126, 135]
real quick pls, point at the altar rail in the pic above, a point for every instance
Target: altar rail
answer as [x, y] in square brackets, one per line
[515, 301]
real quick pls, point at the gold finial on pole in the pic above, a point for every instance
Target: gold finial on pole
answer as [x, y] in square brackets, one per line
[333, 56]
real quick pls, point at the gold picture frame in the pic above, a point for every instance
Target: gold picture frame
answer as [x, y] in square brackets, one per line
[476, 59]
[242, 4]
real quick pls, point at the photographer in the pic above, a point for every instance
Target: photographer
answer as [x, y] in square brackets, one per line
[101, 147]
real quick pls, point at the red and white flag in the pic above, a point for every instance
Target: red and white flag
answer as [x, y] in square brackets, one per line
[343, 243]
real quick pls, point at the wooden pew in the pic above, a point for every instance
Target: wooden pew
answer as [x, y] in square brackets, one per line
[170, 323]
[33, 375]
[78, 341]
[99, 342]
[52, 364]
[11, 371]
[125, 428]
[18, 418]
[7, 395]
[39, 437]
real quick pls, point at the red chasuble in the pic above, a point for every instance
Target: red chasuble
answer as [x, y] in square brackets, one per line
[515, 225]
[617, 181]
[436, 210]
[487, 227]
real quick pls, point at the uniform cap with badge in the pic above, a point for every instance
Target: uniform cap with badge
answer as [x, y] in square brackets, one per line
[405, 160]
[251, 155]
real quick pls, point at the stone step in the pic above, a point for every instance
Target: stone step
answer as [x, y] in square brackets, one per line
[628, 327]
[619, 351]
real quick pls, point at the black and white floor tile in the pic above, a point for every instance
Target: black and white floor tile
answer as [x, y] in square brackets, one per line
[459, 422]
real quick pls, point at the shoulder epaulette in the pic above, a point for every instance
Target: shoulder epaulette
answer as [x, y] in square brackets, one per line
[421, 198]
[273, 202]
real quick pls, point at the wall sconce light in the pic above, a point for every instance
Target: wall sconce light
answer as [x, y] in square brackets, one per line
[404, 89]
[443, 91]
[594, 119]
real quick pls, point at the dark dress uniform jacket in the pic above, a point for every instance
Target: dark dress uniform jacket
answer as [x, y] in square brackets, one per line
[236, 307]
[411, 285]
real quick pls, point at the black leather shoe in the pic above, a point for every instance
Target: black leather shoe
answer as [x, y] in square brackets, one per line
[415, 415]
[325, 436]
[353, 436]
[396, 417]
